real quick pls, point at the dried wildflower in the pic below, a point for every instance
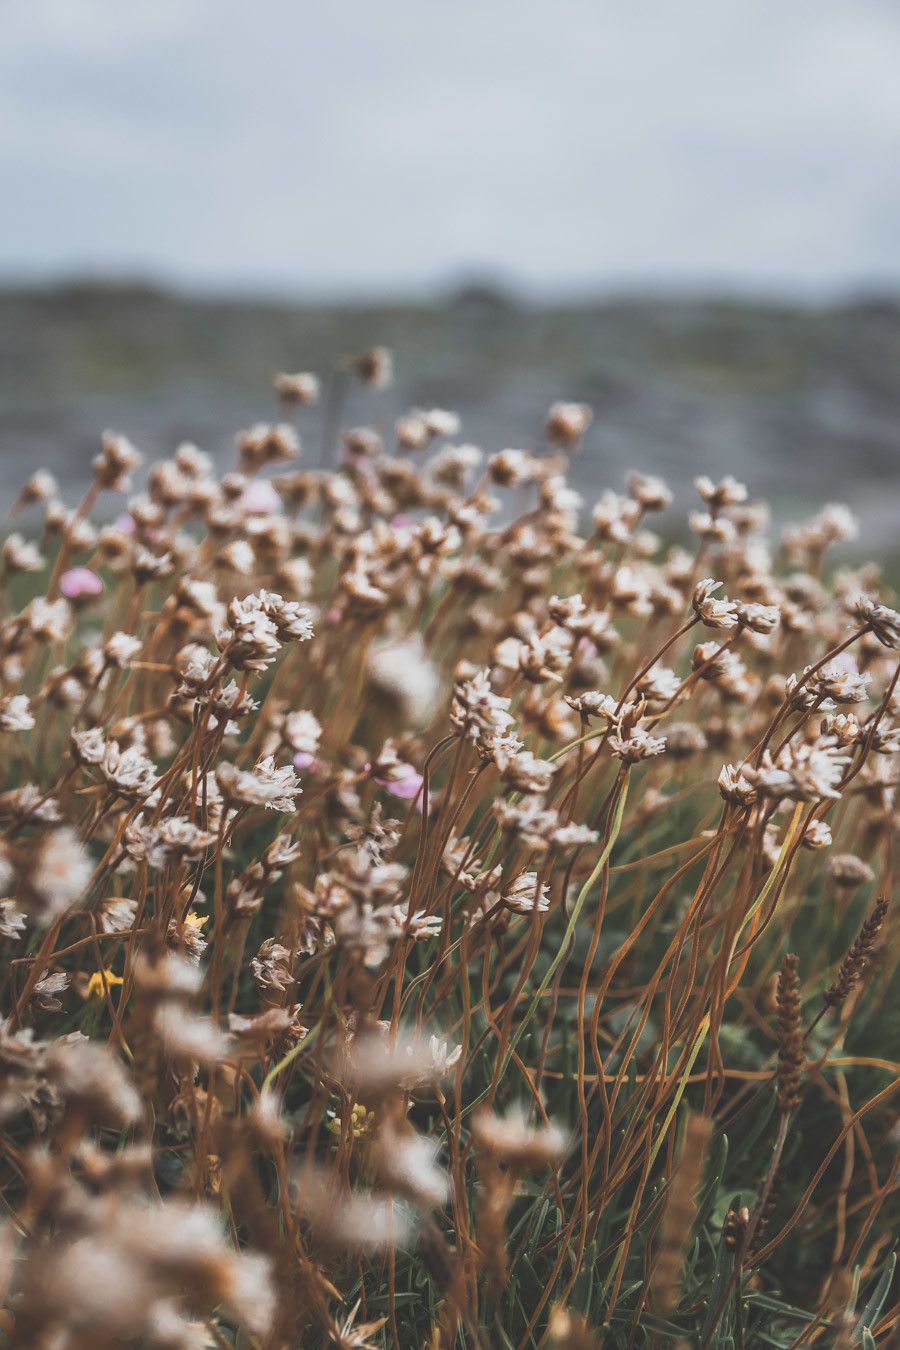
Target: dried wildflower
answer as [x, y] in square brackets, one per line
[639, 745]
[849, 871]
[524, 894]
[403, 674]
[354, 1222]
[714, 613]
[266, 443]
[20, 555]
[566, 423]
[115, 463]
[89, 1079]
[512, 1141]
[728, 492]
[375, 367]
[54, 878]
[265, 785]
[44, 994]
[525, 773]
[301, 389]
[884, 622]
[15, 713]
[406, 1163]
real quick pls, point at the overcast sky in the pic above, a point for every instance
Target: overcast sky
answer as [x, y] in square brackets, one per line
[371, 145]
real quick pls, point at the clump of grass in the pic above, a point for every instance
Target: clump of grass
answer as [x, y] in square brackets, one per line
[398, 861]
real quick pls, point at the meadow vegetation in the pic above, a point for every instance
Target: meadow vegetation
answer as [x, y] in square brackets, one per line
[436, 910]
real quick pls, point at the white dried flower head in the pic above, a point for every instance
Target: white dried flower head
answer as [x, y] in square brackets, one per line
[170, 977]
[49, 620]
[375, 367]
[735, 786]
[15, 713]
[58, 877]
[848, 870]
[251, 642]
[512, 468]
[375, 1066]
[525, 773]
[292, 620]
[419, 925]
[817, 835]
[711, 528]
[121, 649]
[615, 517]
[44, 993]
[809, 772]
[684, 739]
[484, 717]
[356, 1221]
[636, 746]
[40, 487]
[844, 727]
[884, 622]
[406, 1163]
[511, 1140]
[840, 681]
[301, 731]
[20, 555]
[762, 619]
[268, 443]
[567, 423]
[196, 1039]
[129, 772]
[651, 492]
[301, 389]
[265, 785]
[116, 461]
[412, 430]
[524, 894]
[727, 492]
[595, 704]
[452, 464]
[836, 524]
[12, 920]
[713, 613]
[573, 836]
[404, 672]
[658, 685]
[88, 1077]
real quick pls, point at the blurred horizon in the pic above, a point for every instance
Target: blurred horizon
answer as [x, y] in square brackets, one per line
[800, 402]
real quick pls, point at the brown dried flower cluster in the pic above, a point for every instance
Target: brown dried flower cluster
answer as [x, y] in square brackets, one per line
[384, 872]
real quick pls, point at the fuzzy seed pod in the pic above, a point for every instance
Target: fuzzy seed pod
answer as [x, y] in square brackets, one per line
[678, 1219]
[790, 1035]
[853, 966]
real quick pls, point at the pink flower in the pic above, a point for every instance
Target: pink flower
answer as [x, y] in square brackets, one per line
[125, 523]
[406, 782]
[260, 498]
[79, 583]
[304, 760]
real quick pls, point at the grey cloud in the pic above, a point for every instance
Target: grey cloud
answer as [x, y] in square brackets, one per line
[363, 145]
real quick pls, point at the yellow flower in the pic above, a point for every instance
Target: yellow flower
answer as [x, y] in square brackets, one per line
[362, 1121]
[194, 920]
[95, 985]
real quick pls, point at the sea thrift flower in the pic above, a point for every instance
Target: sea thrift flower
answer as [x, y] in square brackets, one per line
[80, 583]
